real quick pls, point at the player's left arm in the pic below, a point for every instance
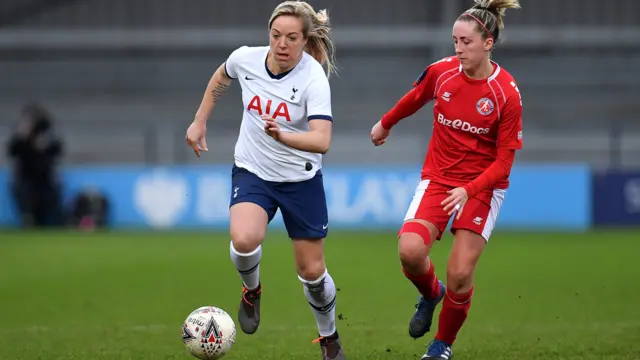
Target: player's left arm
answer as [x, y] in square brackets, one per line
[509, 140]
[318, 138]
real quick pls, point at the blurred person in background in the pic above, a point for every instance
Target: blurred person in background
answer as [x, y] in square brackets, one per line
[34, 150]
[89, 210]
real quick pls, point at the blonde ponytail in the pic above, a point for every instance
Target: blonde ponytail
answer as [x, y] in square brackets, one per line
[491, 14]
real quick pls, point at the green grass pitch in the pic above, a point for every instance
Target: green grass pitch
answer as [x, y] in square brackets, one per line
[67, 295]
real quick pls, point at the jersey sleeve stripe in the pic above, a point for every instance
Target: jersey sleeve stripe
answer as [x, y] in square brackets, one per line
[227, 73]
[319, 117]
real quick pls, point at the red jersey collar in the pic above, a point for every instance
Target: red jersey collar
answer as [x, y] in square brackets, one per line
[493, 76]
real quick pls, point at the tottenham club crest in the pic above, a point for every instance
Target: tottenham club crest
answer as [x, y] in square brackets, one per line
[485, 106]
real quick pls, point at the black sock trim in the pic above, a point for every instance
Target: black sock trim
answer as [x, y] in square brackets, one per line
[326, 308]
[249, 271]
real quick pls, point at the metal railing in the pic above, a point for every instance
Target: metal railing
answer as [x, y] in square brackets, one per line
[134, 144]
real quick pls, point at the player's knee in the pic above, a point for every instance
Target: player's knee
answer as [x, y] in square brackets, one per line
[459, 277]
[309, 258]
[248, 226]
[246, 241]
[412, 248]
[311, 270]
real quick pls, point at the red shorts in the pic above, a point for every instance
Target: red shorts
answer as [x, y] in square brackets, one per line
[479, 215]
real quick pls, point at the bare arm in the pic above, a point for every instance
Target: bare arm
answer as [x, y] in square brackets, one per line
[316, 140]
[216, 88]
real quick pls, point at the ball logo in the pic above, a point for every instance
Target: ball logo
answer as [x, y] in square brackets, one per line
[187, 335]
[485, 106]
[462, 125]
[211, 334]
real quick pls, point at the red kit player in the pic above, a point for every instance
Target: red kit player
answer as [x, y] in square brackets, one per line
[476, 130]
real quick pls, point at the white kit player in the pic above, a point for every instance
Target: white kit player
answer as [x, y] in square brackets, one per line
[286, 127]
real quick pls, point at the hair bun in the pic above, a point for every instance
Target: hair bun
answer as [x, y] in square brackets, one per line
[322, 16]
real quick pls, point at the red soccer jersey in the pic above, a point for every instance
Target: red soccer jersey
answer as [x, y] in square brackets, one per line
[473, 119]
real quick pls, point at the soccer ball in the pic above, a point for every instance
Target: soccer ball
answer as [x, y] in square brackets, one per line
[208, 333]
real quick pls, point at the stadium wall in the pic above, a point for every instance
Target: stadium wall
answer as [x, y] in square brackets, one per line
[616, 198]
[541, 197]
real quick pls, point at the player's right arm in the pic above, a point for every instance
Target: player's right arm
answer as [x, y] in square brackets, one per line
[216, 88]
[422, 92]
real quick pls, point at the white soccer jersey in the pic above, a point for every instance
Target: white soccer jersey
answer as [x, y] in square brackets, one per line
[292, 99]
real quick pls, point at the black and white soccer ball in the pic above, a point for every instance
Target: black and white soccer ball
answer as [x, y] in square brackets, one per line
[208, 333]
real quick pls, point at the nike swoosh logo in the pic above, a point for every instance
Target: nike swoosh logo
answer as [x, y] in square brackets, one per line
[248, 78]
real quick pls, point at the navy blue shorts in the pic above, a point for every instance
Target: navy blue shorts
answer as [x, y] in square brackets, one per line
[303, 204]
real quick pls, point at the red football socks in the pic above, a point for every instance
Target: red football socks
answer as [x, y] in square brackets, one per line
[427, 284]
[454, 312]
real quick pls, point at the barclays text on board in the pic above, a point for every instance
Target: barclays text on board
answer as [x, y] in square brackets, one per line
[177, 197]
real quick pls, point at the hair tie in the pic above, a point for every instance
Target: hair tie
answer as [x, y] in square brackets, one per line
[480, 7]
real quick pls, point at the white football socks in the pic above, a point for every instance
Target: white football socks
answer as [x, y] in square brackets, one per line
[248, 266]
[321, 294]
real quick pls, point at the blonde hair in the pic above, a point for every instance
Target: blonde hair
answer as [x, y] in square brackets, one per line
[316, 30]
[491, 14]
